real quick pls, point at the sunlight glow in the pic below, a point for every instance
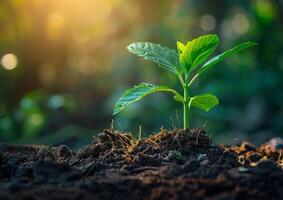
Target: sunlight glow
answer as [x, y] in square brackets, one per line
[55, 25]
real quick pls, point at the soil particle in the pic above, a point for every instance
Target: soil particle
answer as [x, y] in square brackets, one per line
[178, 164]
[64, 152]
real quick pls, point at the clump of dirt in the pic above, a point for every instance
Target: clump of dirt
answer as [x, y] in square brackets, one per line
[174, 164]
[250, 155]
[177, 146]
[158, 149]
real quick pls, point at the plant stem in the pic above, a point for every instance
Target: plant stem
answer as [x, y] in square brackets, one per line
[193, 79]
[186, 107]
[181, 80]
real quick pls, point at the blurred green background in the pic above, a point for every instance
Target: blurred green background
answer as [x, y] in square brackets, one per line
[64, 64]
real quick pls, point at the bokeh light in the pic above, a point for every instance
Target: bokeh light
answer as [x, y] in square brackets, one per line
[266, 10]
[36, 119]
[241, 24]
[207, 22]
[56, 102]
[9, 61]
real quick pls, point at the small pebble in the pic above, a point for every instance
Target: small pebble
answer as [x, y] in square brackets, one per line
[201, 157]
[204, 162]
[243, 169]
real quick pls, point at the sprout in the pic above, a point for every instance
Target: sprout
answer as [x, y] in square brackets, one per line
[187, 63]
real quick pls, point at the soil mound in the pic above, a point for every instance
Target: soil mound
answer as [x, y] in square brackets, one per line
[174, 164]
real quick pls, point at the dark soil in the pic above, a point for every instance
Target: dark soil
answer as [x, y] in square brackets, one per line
[169, 165]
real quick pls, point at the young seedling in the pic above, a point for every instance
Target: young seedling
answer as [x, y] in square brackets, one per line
[187, 64]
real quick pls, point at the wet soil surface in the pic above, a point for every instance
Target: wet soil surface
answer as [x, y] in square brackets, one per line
[168, 165]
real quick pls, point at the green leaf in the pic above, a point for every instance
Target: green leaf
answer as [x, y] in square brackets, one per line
[227, 53]
[204, 101]
[181, 47]
[163, 56]
[181, 67]
[138, 92]
[198, 50]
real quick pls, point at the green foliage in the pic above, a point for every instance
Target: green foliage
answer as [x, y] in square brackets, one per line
[183, 63]
[163, 56]
[138, 92]
[227, 53]
[204, 101]
[197, 50]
